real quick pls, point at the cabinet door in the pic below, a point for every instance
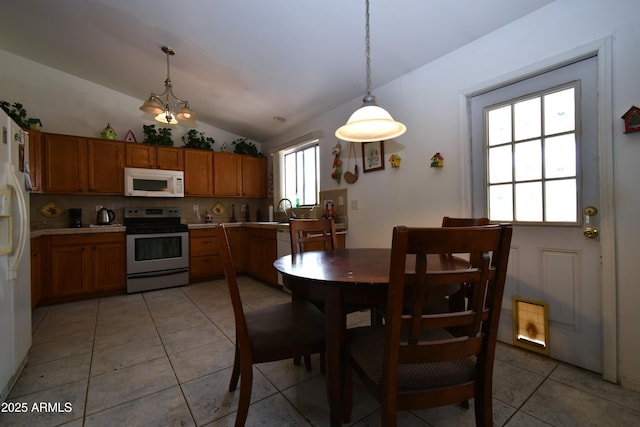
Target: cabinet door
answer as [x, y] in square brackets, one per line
[140, 155]
[105, 166]
[254, 176]
[36, 272]
[171, 158]
[227, 174]
[269, 255]
[198, 172]
[35, 160]
[108, 264]
[204, 255]
[70, 267]
[238, 244]
[255, 253]
[64, 159]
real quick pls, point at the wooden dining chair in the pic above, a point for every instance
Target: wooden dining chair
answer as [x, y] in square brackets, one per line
[413, 362]
[312, 234]
[277, 332]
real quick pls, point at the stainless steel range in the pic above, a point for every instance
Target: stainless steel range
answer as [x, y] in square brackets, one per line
[157, 249]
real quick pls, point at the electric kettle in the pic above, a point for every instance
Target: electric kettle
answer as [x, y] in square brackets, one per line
[105, 216]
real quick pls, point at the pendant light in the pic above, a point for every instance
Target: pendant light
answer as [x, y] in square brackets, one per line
[165, 108]
[370, 122]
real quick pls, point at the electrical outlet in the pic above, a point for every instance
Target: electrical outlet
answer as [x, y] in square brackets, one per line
[98, 207]
[196, 208]
[243, 208]
[354, 205]
[340, 201]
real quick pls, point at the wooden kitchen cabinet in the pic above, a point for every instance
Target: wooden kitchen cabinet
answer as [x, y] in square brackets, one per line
[73, 164]
[205, 262]
[227, 174]
[262, 254]
[204, 255]
[36, 272]
[154, 157]
[105, 166]
[254, 176]
[198, 172]
[82, 266]
[64, 163]
[237, 175]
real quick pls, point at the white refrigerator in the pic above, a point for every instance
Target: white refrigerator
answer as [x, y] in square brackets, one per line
[15, 253]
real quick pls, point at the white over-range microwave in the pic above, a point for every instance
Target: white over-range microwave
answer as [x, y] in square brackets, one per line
[153, 182]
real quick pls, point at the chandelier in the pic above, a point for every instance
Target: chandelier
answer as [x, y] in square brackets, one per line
[370, 122]
[165, 104]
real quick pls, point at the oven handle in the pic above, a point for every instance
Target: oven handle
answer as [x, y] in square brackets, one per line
[157, 273]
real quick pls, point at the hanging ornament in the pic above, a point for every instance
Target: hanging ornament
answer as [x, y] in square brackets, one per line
[395, 160]
[436, 161]
[348, 176]
[337, 163]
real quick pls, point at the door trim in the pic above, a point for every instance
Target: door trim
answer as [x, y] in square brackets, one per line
[601, 48]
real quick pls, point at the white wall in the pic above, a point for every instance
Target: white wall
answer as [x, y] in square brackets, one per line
[69, 105]
[427, 101]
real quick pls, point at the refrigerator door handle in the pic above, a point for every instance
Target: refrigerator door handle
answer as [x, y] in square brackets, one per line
[14, 260]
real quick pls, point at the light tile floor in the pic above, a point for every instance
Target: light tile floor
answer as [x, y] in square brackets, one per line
[164, 358]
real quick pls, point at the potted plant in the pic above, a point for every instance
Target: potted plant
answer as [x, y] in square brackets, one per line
[153, 136]
[18, 114]
[195, 139]
[243, 146]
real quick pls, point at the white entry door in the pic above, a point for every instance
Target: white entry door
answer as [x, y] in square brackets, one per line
[535, 165]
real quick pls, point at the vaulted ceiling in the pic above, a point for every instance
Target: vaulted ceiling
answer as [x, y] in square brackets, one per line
[242, 62]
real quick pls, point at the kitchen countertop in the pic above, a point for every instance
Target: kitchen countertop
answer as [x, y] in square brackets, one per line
[118, 228]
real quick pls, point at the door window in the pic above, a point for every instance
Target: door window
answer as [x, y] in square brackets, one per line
[531, 151]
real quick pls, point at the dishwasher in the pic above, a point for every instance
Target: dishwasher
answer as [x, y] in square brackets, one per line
[283, 247]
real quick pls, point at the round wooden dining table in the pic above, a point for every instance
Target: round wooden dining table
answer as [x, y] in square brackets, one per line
[344, 278]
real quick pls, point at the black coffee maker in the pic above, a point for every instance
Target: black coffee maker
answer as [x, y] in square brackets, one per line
[75, 217]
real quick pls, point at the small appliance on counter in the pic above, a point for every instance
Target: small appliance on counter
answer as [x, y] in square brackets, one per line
[105, 216]
[75, 217]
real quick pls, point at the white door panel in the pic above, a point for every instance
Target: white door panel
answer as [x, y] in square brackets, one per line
[554, 263]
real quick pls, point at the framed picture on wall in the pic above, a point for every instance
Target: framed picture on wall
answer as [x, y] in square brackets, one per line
[372, 156]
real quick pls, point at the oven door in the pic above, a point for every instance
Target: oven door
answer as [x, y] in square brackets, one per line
[148, 253]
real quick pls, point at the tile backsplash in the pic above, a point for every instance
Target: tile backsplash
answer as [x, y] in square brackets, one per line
[88, 203]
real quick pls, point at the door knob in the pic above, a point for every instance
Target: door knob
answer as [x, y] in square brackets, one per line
[591, 232]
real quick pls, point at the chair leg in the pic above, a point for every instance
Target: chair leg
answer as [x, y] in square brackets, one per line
[246, 380]
[235, 373]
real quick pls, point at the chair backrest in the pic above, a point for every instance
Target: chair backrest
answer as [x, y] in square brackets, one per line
[447, 221]
[312, 234]
[417, 337]
[242, 335]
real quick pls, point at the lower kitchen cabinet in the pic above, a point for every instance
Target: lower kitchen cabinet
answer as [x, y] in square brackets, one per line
[82, 266]
[262, 254]
[205, 262]
[204, 255]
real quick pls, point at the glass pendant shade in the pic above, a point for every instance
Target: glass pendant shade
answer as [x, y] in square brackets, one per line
[152, 106]
[186, 113]
[370, 123]
[166, 118]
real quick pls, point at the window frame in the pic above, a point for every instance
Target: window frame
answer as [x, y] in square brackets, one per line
[301, 148]
[576, 85]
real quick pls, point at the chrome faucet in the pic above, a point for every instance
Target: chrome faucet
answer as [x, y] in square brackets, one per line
[291, 213]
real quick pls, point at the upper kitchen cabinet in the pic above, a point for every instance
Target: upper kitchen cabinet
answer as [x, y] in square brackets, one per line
[227, 174]
[254, 176]
[198, 172]
[73, 164]
[105, 166]
[140, 155]
[239, 176]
